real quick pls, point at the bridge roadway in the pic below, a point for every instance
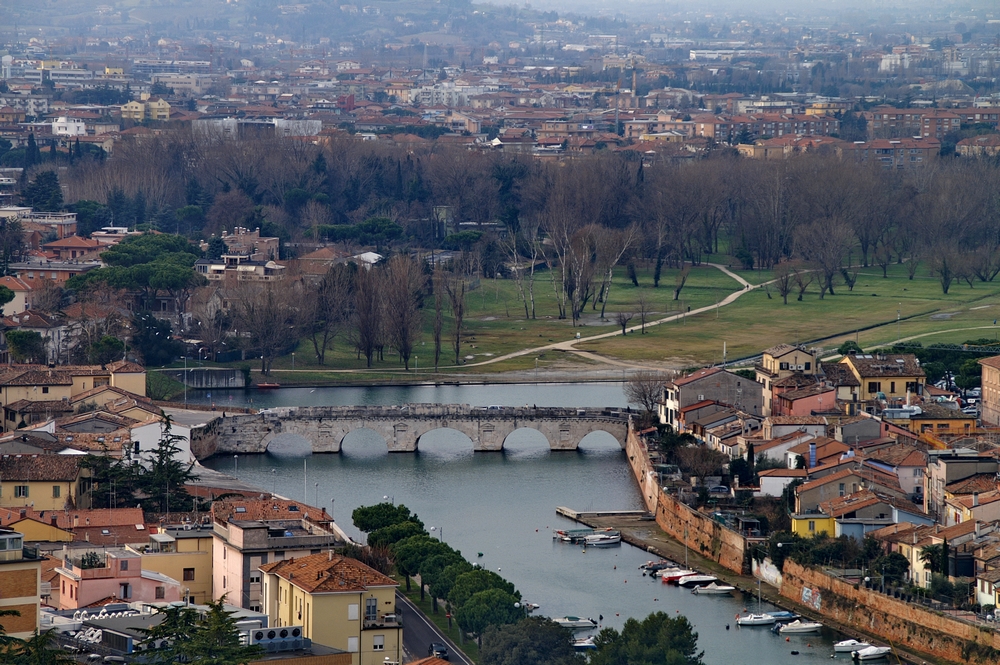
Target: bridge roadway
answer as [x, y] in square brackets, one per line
[322, 429]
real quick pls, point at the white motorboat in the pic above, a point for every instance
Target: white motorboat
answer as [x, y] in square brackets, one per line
[713, 588]
[603, 539]
[799, 626]
[584, 643]
[696, 580]
[850, 646]
[871, 653]
[575, 623]
[674, 574]
[756, 620]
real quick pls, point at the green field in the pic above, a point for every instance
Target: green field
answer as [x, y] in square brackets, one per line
[495, 325]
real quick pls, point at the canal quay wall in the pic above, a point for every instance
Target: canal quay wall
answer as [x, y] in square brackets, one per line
[698, 531]
[895, 620]
[850, 608]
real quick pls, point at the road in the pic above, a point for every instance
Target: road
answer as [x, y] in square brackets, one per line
[419, 632]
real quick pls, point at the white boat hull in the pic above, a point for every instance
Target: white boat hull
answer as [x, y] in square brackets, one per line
[850, 646]
[714, 589]
[576, 624]
[796, 627]
[871, 653]
[756, 620]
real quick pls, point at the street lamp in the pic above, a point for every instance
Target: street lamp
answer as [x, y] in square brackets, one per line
[316, 494]
[333, 503]
[185, 380]
[236, 465]
[274, 480]
[440, 531]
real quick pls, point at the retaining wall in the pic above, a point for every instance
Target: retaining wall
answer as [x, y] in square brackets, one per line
[903, 624]
[701, 533]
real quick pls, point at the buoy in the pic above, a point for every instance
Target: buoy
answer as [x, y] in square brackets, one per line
[480, 553]
[616, 568]
[656, 600]
[536, 530]
[617, 615]
[727, 626]
[787, 639]
[809, 645]
[498, 570]
[600, 617]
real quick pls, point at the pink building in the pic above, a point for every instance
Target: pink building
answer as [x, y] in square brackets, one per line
[87, 578]
[815, 399]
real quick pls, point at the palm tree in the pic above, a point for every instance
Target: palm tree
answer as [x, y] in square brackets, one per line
[933, 557]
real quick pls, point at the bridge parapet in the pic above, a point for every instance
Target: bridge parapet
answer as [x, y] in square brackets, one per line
[305, 429]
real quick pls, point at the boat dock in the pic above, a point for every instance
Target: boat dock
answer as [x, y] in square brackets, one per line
[580, 515]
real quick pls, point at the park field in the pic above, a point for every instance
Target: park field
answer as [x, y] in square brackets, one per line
[495, 325]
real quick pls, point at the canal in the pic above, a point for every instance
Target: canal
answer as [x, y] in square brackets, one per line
[503, 505]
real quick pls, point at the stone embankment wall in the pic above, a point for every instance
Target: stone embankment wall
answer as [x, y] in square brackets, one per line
[701, 533]
[900, 623]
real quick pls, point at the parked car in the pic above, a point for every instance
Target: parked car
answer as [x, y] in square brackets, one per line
[718, 489]
[438, 650]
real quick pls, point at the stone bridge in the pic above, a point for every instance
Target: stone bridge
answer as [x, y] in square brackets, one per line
[324, 427]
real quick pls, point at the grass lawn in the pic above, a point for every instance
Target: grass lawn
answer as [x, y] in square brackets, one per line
[468, 647]
[755, 322]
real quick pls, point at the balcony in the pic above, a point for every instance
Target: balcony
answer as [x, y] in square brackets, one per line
[385, 621]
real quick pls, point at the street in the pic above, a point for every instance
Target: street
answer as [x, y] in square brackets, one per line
[419, 632]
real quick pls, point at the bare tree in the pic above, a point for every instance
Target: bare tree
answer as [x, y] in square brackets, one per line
[783, 280]
[643, 305]
[326, 310]
[403, 283]
[368, 312]
[825, 244]
[700, 461]
[623, 319]
[803, 278]
[266, 314]
[438, 283]
[645, 389]
[48, 297]
[682, 278]
[455, 288]
[611, 246]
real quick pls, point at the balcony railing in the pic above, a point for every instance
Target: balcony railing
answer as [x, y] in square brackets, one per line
[384, 621]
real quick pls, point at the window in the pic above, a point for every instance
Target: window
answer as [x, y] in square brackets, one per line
[254, 578]
[378, 642]
[371, 609]
[21, 491]
[253, 608]
[812, 525]
[841, 489]
[223, 581]
[352, 642]
[160, 593]
[56, 491]
[189, 574]
[892, 387]
[135, 447]
[124, 591]
[874, 386]
[783, 366]
[123, 565]
[45, 389]
[352, 613]
[808, 366]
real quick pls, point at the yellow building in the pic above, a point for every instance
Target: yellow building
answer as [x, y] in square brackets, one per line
[134, 111]
[886, 376]
[20, 584]
[39, 532]
[46, 482]
[808, 525]
[339, 602]
[37, 383]
[146, 108]
[184, 555]
[779, 362]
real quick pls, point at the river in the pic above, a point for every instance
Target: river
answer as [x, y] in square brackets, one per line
[503, 505]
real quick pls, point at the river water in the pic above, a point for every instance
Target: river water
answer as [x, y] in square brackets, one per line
[503, 506]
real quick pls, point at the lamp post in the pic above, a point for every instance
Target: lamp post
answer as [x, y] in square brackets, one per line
[316, 494]
[293, 361]
[236, 465]
[185, 381]
[274, 480]
[440, 531]
[333, 503]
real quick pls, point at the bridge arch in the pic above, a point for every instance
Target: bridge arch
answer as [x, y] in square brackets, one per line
[363, 440]
[446, 438]
[289, 444]
[526, 439]
[600, 439]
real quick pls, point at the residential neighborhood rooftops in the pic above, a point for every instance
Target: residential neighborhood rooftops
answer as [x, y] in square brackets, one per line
[39, 467]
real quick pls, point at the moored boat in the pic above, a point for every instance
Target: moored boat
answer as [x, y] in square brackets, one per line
[654, 567]
[850, 646]
[696, 580]
[268, 386]
[674, 574]
[713, 588]
[575, 623]
[584, 643]
[783, 615]
[756, 620]
[799, 626]
[871, 653]
[603, 539]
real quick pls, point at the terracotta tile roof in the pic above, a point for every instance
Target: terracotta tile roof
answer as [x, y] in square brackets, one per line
[990, 496]
[39, 467]
[992, 361]
[885, 480]
[810, 391]
[29, 375]
[795, 381]
[885, 365]
[72, 242]
[778, 350]
[783, 473]
[109, 394]
[980, 482]
[49, 406]
[66, 519]
[899, 455]
[112, 536]
[695, 376]
[15, 283]
[31, 319]
[266, 509]
[797, 420]
[328, 573]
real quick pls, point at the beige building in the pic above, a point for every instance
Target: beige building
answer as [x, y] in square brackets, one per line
[185, 554]
[991, 390]
[146, 108]
[339, 602]
[20, 584]
[45, 482]
[779, 362]
[249, 533]
[39, 383]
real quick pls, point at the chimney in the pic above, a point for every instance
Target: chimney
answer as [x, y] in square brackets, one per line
[76, 521]
[812, 454]
[54, 520]
[329, 555]
[977, 529]
[975, 503]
